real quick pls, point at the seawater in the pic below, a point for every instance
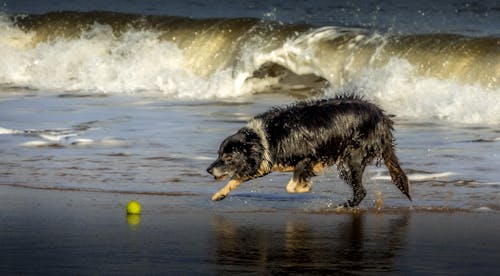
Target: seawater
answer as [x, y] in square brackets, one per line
[138, 102]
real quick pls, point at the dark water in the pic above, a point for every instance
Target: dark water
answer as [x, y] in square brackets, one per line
[464, 17]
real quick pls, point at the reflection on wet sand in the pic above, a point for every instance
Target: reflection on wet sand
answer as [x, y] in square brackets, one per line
[349, 243]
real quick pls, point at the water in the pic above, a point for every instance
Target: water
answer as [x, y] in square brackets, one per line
[131, 143]
[138, 103]
[88, 233]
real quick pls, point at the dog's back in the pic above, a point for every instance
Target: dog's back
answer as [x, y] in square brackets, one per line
[325, 128]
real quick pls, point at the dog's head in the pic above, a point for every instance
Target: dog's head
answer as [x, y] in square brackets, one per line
[240, 156]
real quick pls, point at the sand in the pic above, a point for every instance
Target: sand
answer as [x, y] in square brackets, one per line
[76, 232]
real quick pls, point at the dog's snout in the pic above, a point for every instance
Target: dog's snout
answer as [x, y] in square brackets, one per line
[210, 169]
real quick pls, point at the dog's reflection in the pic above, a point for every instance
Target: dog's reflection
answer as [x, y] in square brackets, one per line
[348, 243]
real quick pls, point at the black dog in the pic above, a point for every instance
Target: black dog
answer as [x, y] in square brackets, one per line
[306, 137]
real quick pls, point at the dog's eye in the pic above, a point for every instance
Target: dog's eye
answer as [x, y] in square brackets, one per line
[227, 157]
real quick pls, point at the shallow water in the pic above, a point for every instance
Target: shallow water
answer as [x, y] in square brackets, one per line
[154, 146]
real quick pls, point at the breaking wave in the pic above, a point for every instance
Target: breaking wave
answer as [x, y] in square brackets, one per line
[445, 76]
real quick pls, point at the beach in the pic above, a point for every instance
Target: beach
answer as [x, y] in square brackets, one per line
[104, 102]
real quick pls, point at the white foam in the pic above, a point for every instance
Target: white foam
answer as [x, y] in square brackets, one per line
[53, 137]
[36, 144]
[482, 209]
[82, 142]
[418, 176]
[9, 131]
[399, 90]
[99, 61]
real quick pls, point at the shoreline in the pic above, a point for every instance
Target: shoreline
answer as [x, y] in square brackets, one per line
[378, 206]
[53, 231]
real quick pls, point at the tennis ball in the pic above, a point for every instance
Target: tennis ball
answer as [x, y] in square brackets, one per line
[133, 208]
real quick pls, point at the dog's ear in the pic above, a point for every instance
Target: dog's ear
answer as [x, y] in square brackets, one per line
[251, 147]
[247, 147]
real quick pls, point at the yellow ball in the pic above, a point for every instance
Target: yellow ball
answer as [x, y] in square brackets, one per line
[133, 208]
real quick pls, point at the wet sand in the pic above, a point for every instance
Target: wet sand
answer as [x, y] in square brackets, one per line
[76, 232]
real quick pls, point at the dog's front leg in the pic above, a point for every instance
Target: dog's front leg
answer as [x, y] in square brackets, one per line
[222, 193]
[301, 179]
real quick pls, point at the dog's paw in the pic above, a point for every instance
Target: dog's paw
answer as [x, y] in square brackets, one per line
[303, 189]
[218, 197]
[299, 188]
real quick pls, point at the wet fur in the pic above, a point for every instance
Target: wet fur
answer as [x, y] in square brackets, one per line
[303, 138]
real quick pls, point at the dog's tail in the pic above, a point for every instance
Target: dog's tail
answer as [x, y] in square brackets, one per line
[398, 176]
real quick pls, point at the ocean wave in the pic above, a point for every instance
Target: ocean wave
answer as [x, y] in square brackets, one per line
[443, 76]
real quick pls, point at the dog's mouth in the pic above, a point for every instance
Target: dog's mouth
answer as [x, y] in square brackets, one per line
[221, 177]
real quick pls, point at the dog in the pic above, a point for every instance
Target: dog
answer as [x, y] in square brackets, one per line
[304, 138]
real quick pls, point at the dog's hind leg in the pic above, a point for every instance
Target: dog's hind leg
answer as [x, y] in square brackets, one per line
[301, 179]
[351, 170]
[222, 193]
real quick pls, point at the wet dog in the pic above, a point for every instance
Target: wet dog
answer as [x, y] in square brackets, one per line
[306, 137]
